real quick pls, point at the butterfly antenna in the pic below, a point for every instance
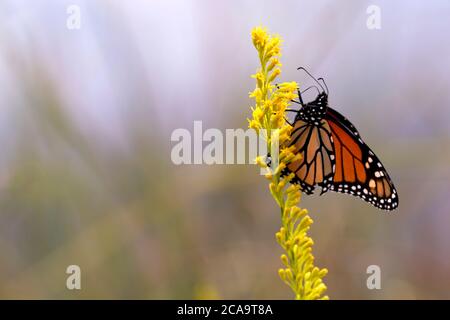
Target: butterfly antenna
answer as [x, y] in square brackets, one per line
[309, 74]
[300, 102]
[326, 87]
[310, 87]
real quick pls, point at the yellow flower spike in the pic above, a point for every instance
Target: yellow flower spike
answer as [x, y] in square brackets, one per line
[280, 169]
[287, 178]
[273, 43]
[272, 187]
[289, 274]
[293, 200]
[271, 103]
[281, 185]
[284, 137]
[275, 73]
[286, 157]
[282, 232]
[273, 48]
[295, 249]
[305, 223]
[257, 94]
[287, 129]
[285, 260]
[323, 273]
[259, 76]
[282, 274]
[274, 62]
[287, 245]
[268, 107]
[275, 120]
[299, 242]
[292, 188]
[254, 125]
[259, 37]
[260, 162]
[304, 212]
[258, 114]
[279, 237]
[307, 276]
[296, 157]
[289, 86]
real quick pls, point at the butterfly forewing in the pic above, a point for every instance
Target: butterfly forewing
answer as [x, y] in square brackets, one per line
[358, 170]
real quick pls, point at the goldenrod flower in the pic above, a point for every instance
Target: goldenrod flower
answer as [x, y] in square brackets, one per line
[259, 37]
[271, 102]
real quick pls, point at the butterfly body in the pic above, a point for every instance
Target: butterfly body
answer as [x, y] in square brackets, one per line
[313, 112]
[335, 158]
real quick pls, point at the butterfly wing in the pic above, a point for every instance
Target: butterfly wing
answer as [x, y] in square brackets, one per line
[316, 165]
[358, 170]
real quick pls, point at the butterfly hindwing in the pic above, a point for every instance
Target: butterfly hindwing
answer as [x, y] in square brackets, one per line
[316, 166]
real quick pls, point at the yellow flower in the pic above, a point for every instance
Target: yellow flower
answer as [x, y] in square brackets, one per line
[273, 47]
[274, 74]
[274, 62]
[260, 161]
[271, 103]
[259, 37]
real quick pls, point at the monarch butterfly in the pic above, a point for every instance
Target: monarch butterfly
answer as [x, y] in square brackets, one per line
[334, 157]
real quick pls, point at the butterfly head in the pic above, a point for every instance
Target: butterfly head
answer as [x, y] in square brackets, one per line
[314, 111]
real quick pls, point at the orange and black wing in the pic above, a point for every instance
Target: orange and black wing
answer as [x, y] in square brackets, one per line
[316, 166]
[358, 170]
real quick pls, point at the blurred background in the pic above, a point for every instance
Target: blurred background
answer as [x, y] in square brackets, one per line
[85, 171]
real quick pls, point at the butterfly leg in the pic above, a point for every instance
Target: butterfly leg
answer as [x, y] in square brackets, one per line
[300, 96]
[287, 120]
[300, 102]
